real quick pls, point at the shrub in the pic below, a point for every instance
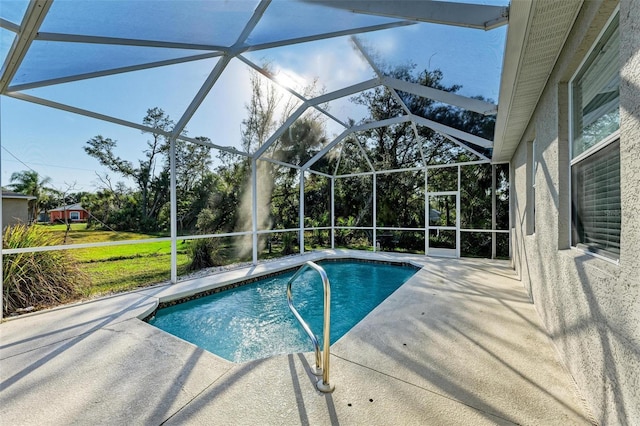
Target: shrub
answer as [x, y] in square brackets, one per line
[39, 279]
[204, 253]
[288, 244]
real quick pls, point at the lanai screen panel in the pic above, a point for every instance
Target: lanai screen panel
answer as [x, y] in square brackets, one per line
[306, 44]
[317, 201]
[128, 96]
[212, 23]
[285, 20]
[400, 200]
[13, 11]
[75, 70]
[300, 141]
[6, 40]
[195, 60]
[349, 157]
[474, 62]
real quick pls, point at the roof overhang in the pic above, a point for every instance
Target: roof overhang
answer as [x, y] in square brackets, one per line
[468, 15]
[536, 35]
[16, 196]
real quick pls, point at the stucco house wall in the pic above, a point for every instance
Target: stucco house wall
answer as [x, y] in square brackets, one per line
[15, 208]
[590, 306]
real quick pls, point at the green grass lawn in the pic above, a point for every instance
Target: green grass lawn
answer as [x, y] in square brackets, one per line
[121, 268]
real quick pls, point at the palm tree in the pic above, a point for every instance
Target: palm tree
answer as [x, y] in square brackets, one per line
[28, 182]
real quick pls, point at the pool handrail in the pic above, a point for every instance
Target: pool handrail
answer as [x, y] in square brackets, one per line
[322, 384]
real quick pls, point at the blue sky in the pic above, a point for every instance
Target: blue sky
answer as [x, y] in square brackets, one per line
[50, 141]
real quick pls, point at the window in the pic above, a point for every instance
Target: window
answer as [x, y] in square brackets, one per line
[532, 166]
[74, 215]
[595, 148]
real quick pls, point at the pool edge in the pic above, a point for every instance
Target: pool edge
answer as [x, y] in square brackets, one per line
[231, 283]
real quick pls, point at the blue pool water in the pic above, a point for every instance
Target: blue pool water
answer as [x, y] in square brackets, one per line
[254, 321]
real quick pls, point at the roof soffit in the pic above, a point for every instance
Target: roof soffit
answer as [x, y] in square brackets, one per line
[537, 32]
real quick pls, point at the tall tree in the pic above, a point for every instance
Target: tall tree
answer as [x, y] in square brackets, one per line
[153, 184]
[146, 208]
[194, 180]
[268, 109]
[262, 109]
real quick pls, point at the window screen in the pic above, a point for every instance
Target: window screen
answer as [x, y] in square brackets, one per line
[596, 202]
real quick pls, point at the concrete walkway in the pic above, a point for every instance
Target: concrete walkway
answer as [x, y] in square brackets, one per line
[459, 343]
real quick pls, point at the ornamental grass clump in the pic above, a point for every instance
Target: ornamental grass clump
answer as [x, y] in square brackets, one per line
[37, 280]
[204, 253]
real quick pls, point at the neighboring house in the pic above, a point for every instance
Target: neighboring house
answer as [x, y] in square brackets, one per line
[15, 208]
[72, 212]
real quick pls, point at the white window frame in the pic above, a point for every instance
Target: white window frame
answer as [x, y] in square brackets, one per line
[73, 215]
[605, 142]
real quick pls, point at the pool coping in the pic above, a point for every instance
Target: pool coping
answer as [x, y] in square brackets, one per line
[219, 281]
[218, 288]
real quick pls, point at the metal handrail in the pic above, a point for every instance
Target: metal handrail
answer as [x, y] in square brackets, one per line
[322, 384]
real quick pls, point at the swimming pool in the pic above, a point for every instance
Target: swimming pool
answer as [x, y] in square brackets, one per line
[253, 321]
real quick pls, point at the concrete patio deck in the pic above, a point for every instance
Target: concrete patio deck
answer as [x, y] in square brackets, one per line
[459, 343]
